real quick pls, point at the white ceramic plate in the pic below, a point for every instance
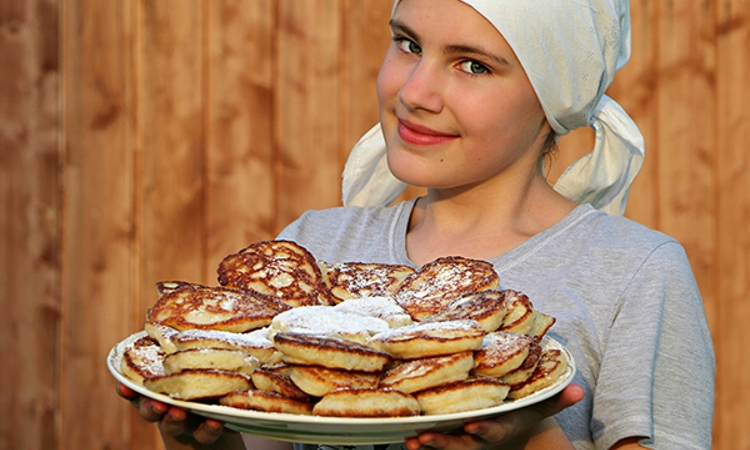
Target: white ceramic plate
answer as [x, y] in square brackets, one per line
[336, 430]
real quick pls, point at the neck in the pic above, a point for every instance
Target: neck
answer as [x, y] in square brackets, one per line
[483, 221]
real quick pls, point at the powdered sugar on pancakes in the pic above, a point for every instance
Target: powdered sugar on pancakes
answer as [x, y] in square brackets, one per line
[431, 288]
[430, 339]
[384, 308]
[329, 321]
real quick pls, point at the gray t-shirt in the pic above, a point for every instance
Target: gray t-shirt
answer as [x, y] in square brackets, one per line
[626, 303]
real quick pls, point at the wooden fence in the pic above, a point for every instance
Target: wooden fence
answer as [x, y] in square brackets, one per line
[144, 140]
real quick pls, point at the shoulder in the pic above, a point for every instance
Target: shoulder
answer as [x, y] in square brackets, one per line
[334, 221]
[349, 233]
[598, 256]
[619, 237]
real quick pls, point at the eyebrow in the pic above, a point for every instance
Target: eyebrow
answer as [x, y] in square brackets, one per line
[453, 48]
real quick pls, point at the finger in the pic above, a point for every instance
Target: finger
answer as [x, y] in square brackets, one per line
[128, 394]
[569, 396]
[152, 410]
[174, 421]
[515, 422]
[444, 442]
[125, 392]
[209, 431]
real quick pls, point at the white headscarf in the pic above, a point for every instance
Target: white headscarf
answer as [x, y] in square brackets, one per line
[570, 50]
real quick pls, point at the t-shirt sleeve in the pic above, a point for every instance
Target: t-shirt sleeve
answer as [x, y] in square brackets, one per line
[656, 378]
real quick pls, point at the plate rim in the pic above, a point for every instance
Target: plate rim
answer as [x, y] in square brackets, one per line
[413, 423]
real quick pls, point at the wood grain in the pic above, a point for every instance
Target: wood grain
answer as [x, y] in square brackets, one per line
[143, 141]
[308, 112]
[99, 218]
[240, 182]
[732, 266]
[30, 213]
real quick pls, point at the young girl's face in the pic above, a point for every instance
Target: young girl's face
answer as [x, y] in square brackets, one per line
[456, 107]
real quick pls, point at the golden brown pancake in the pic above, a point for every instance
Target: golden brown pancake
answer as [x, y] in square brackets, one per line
[192, 306]
[319, 381]
[430, 339]
[520, 313]
[524, 372]
[198, 384]
[271, 402]
[280, 383]
[384, 308]
[255, 343]
[210, 358]
[467, 395]
[542, 324]
[367, 403]
[281, 269]
[143, 360]
[434, 285]
[486, 307]
[552, 365]
[330, 352]
[356, 280]
[502, 353]
[419, 374]
[328, 321]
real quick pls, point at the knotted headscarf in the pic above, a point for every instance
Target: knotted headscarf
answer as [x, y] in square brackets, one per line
[570, 50]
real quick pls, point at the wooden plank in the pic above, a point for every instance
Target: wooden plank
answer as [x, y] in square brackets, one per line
[99, 255]
[364, 41]
[240, 203]
[170, 157]
[732, 312]
[30, 241]
[171, 129]
[634, 88]
[308, 107]
[687, 135]
[687, 161]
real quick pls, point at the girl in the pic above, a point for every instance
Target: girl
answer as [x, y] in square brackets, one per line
[473, 94]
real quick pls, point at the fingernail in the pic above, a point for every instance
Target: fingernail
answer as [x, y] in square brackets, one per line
[158, 407]
[213, 426]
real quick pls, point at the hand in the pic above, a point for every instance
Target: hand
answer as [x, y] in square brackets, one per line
[501, 429]
[173, 421]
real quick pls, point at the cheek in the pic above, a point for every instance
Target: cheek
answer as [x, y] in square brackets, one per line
[385, 83]
[391, 77]
[513, 120]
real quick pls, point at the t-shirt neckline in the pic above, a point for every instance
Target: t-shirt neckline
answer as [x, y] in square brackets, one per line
[507, 259]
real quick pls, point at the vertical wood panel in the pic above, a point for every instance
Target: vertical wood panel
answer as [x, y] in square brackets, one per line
[365, 39]
[308, 110]
[99, 253]
[732, 270]
[240, 178]
[687, 135]
[194, 127]
[30, 209]
[172, 152]
[634, 88]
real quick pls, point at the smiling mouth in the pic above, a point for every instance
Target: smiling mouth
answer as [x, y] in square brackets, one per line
[419, 135]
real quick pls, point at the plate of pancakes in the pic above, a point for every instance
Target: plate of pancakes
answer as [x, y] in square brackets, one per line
[313, 429]
[293, 349]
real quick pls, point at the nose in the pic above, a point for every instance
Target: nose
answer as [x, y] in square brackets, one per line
[421, 90]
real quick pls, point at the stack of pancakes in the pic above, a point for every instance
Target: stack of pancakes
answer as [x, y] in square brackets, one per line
[286, 333]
